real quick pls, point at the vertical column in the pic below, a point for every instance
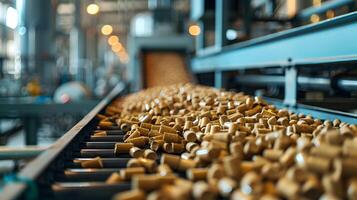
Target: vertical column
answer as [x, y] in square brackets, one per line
[247, 17]
[36, 40]
[291, 84]
[218, 79]
[221, 18]
[77, 42]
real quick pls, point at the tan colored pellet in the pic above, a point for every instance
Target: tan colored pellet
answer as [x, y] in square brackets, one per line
[203, 191]
[122, 148]
[231, 163]
[136, 152]
[128, 173]
[130, 195]
[172, 161]
[186, 164]
[288, 188]
[164, 169]
[139, 141]
[226, 186]
[114, 178]
[273, 154]
[172, 138]
[197, 174]
[92, 163]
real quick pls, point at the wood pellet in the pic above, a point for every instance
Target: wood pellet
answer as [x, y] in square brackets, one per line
[196, 142]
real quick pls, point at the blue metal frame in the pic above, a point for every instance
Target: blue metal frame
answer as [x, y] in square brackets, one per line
[328, 41]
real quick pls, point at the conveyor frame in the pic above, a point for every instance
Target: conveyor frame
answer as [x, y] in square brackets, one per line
[328, 42]
[53, 157]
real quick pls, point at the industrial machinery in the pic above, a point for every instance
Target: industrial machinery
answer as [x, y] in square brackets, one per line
[309, 69]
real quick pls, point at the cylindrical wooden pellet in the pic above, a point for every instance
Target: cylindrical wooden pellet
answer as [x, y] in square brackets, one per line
[139, 141]
[164, 169]
[134, 134]
[332, 186]
[352, 189]
[251, 183]
[130, 195]
[188, 125]
[172, 138]
[190, 136]
[150, 165]
[231, 164]
[186, 164]
[318, 164]
[146, 182]
[202, 191]
[155, 145]
[226, 186]
[122, 148]
[288, 188]
[136, 152]
[288, 157]
[197, 174]
[92, 163]
[114, 178]
[312, 188]
[327, 151]
[215, 129]
[150, 154]
[273, 154]
[172, 161]
[134, 162]
[190, 146]
[166, 129]
[128, 173]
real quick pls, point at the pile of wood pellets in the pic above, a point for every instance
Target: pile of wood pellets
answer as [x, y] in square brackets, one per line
[196, 142]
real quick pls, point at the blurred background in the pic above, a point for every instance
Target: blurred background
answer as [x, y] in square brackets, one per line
[58, 58]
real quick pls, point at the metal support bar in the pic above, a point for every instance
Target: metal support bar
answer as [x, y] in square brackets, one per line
[31, 127]
[221, 18]
[291, 86]
[218, 79]
[200, 39]
[7, 153]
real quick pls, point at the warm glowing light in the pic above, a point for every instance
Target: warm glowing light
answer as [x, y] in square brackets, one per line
[316, 2]
[330, 14]
[291, 7]
[314, 18]
[124, 58]
[107, 29]
[194, 30]
[117, 47]
[92, 9]
[112, 40]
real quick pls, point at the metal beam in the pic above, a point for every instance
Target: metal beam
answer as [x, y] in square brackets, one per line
[324, 42]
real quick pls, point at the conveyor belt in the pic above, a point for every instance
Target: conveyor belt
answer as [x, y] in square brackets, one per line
[78, 181]
[58, 173]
